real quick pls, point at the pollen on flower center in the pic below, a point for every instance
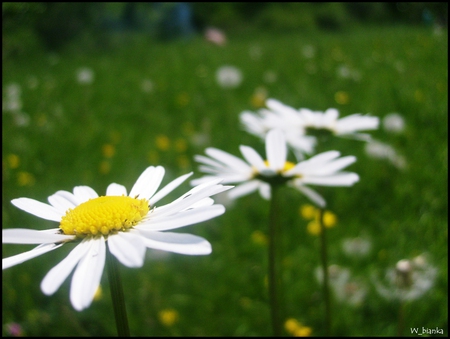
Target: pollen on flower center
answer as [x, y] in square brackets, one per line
[287, 165]
[104, 215]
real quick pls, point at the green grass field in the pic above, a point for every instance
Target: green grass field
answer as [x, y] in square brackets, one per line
[156, 103]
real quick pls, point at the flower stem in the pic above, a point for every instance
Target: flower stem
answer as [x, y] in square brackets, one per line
[120, 311]
[274, 269]
[401, 319]
[324, 260]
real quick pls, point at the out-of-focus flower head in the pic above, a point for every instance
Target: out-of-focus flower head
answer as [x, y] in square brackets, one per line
[303, 127]
[85, 75]
[356, 247]
[312, 213]
[228, 76]
[216, 36]
[393, 123]
[346, 288]
[168, 317]
[296, 328]
[380, 150]
[408, 280]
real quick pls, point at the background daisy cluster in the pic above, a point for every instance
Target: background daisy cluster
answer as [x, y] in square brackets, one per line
[93, 116]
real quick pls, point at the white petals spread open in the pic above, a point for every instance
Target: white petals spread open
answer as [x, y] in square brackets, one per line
[128, 243]
[296, 123]
[254, 173]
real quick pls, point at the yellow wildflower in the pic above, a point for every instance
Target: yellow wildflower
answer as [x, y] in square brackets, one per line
[168, 317]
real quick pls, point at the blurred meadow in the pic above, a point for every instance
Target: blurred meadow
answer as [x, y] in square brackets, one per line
[96, 111]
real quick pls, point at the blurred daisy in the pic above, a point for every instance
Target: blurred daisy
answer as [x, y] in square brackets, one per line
[356, 247]
[257, 174]
[229, 76]
[304, 125]
[127, 223]
[277, 115]
[85, 75]
[408, 280]
[394, 123]
[345, 288]
[380, 150]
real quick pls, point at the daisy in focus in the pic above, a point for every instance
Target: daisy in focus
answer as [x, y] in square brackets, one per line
[302, 127]
[257, 174]
[127, 223]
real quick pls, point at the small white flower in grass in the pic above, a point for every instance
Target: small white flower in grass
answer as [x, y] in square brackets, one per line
[228, 77]
[127, 223]
[302, 126]
[257, 174]
[393, 123]
[85, 75]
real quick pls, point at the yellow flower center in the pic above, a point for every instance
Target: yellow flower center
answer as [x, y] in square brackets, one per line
[104, 215]
[287, 165]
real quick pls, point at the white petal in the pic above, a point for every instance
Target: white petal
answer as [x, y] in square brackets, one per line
[128, 248]
[27, 236]
[168, 188]
[84, 193]
[336, 165]
[228, 178]
[183, 218]
[116, 190]
[56, 276]
[143, 179]
[176, 242]
[148, 183]
[22, 257]
[265, 191]
[312, 164]
[202, 180]
[253, 158]
[87, 275]
[63, 200]
[312, 195]
[340, 179]
[209, 162]
[204, 202]
[38, 209]
[356, 122]
[252, 123]
[276, 149]
[227, 159]
[244, 189]
[188, 199]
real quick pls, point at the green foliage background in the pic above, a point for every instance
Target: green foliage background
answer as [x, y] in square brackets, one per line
[403, 212]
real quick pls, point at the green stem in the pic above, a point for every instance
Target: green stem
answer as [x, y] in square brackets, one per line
[401, 319]
[274, 269]
[326, 285]
[118, 300]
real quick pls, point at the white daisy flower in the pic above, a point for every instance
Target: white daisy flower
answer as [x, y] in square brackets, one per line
[127, 223]
[302, 126]
[257, 174]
